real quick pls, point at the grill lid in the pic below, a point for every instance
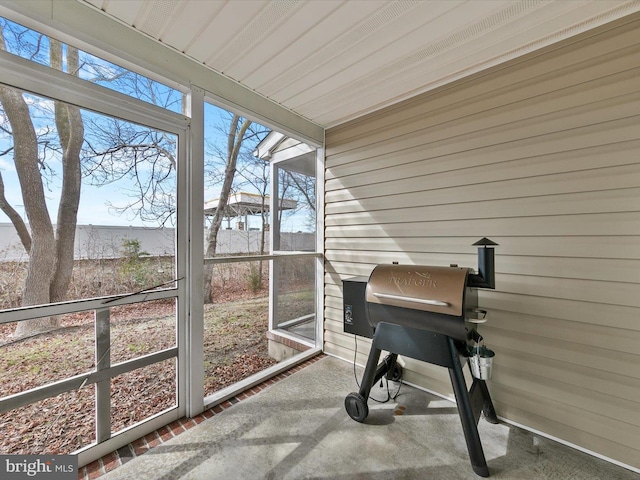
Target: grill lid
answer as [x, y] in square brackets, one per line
[417, 287]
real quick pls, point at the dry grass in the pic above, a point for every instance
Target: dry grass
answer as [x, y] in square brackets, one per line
[92, 278]
[235, 347]
[65, 423]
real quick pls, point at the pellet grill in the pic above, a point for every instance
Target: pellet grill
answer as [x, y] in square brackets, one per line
[427, 313]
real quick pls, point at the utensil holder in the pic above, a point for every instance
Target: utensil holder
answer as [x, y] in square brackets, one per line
[481, 362]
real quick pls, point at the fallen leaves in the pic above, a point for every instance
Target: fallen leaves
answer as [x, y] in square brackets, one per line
[234, 349]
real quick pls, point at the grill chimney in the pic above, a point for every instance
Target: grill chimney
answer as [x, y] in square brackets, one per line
[486, 276]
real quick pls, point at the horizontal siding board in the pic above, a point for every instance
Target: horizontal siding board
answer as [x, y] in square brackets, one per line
[620, 200]
[338, 351]
[517, 362]
[445, 157]
[589, 335]
[601, 269]
[623, 248]
[333, 306]
[581, 225]
[547, 184]
[527, 176]
[450, 156]
[423, 161]
[598, 403]
[432, 377]
[333, 302]
[334, 319]
[350, 271]
[336, 327]
[586, 291]
[613, 316]
[403, 258]
[343, 340]
[567, 415]
[491, 173]
[595, 358]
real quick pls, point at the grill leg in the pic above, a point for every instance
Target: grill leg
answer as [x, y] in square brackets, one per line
[356, 403]
[370, 372]
[469, 427]
[488, 410]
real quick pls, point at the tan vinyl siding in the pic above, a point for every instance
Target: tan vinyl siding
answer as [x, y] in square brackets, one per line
[541, 155]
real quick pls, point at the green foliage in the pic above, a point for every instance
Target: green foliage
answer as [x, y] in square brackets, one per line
[255, 276]
[136, 270]
[131, 249]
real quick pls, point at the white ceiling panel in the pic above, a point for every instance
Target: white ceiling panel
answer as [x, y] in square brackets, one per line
[127, 12]
[339, 50]
[292, 29]
[183, 33]
[223, 29]
[296, 58]
[379, 59]
[334, 60]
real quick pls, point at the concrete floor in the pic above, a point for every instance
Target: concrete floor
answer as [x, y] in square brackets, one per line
[298, 429]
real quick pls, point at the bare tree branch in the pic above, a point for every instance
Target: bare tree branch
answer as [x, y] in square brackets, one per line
[15, 218]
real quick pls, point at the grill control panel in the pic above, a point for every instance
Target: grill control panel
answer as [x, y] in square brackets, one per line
[354, 307]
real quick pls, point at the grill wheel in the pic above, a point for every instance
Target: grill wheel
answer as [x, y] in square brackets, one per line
[356, 407]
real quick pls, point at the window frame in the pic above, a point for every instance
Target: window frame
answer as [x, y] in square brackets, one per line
[41, 80]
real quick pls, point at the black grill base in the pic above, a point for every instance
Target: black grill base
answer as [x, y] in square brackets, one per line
[437, 349]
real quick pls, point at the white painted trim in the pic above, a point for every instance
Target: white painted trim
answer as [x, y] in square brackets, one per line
[282, 333]
[272, 140]
[274, 233]
[259, 258]
[320, 161]
[293, 152]
[295, 321]
[285, 156]
[102, 403]
[44, 81]
[194, 201]
[182, 266]
[27, 313]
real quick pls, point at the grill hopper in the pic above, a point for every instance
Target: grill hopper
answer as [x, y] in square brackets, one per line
[423, 297]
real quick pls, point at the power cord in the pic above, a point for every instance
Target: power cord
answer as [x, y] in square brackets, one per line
[386, 359]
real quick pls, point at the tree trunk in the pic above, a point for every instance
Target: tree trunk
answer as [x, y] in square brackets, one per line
[234, 141]
[263, 219]
[42, 251]
[71, 132]
[50, 258]
[16, 219]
